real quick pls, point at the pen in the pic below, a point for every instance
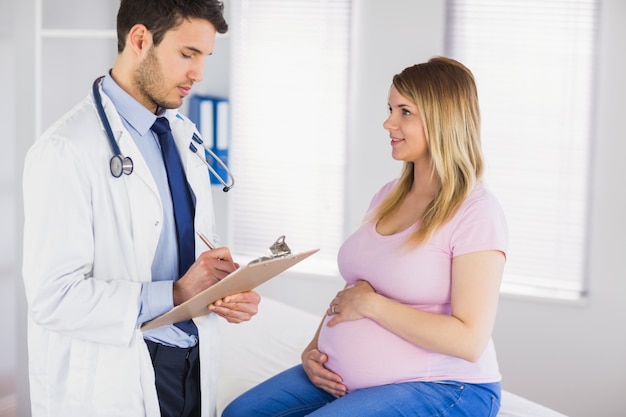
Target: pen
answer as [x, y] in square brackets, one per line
[206, 241]
[210, 245]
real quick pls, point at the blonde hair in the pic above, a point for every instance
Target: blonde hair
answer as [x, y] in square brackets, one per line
[445, 93]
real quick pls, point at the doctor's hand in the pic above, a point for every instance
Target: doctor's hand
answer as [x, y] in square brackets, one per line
[210, 267]
[237, 308]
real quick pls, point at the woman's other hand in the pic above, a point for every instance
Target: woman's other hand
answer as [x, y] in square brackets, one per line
[313, 363]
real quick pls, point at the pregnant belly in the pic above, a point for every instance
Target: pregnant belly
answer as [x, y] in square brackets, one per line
[365, 354]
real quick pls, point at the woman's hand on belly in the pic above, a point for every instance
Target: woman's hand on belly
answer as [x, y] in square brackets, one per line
[313, 363]
[349, 303]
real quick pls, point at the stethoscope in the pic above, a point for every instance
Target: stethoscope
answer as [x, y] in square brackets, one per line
[120, 164]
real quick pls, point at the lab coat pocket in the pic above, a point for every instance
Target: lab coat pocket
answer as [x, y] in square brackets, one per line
[80, 356]
[117, 382]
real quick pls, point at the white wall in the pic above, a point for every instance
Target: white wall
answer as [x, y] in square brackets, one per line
[566, 356]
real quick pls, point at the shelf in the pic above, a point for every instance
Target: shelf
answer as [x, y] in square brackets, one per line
[79, 33]
[90, 34]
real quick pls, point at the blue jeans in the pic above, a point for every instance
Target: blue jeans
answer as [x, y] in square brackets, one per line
[291, 394]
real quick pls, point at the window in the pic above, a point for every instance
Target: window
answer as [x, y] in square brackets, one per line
[533, 63]
[289, 95]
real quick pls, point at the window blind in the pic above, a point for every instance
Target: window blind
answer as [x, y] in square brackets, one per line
[533, 61]
[289, 94]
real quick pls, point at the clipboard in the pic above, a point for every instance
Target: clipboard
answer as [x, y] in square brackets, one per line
[243, 279]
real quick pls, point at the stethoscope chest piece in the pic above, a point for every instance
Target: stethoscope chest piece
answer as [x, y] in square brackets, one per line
[120, 165]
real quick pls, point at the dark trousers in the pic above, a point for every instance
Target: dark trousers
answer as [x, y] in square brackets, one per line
[177, 377]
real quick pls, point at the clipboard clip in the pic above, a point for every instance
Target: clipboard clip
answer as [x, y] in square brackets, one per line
[278, 249]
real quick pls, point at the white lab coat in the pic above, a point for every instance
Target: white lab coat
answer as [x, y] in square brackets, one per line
[89, 242]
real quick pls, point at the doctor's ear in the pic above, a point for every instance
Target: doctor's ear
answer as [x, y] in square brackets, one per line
[139, 40]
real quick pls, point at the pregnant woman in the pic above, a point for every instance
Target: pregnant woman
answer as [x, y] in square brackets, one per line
[410, 334]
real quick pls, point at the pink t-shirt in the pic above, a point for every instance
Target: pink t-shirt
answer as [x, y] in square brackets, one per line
[365, 354]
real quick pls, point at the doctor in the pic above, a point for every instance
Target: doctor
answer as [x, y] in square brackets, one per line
[101, 252]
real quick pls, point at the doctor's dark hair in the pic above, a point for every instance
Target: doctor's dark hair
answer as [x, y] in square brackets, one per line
[444, 91]
[159, 16]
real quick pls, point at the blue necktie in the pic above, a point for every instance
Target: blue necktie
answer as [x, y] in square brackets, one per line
[182, 202]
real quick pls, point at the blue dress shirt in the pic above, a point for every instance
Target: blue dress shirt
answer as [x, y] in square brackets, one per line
[156, 296]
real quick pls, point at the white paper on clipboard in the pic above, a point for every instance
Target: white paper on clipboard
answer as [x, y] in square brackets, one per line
[243, 279]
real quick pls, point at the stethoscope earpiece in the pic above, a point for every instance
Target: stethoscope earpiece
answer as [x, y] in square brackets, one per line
[229, 175]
